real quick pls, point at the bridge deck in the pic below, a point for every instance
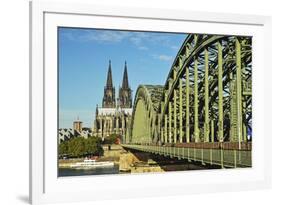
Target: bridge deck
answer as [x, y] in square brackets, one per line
[221, 157]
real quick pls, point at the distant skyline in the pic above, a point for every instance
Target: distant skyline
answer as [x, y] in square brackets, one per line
[84, 56]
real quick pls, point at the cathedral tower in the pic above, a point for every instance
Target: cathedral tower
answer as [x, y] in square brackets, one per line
[109, 91]
[125, 92]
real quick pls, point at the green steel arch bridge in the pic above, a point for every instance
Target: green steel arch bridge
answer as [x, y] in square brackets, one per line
[203, 112]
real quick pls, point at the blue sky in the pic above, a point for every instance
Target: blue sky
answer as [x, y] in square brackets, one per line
[84, 55]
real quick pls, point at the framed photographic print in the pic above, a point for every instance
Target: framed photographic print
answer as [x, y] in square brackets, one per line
[147, 102]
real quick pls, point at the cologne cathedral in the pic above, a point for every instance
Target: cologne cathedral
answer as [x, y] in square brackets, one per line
[114, 116]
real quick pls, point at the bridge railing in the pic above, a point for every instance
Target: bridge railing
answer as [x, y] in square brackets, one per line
[214, 156]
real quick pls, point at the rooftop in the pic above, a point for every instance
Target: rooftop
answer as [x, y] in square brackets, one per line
[114, 111]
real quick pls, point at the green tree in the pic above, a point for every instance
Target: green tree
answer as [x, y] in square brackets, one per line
[63, 148]
[76, 147]
[93, 146]
[111, 139]
[80, 147]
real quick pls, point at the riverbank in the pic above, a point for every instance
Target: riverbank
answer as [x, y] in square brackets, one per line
[111, 154]
[128, 161]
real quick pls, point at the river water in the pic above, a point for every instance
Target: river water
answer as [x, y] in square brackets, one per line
[64, 172]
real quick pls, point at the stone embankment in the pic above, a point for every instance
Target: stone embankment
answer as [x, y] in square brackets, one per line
[128, 162]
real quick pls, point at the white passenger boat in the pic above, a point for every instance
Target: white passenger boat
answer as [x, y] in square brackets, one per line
[90, 163]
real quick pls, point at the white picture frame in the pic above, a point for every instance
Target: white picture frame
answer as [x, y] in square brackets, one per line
[46, 187]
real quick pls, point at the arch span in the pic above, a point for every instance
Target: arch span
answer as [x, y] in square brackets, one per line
[207, 96]
[145, 114]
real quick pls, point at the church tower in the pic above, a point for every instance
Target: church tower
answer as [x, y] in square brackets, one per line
[125, 92]
[109, 91]
[111, 119]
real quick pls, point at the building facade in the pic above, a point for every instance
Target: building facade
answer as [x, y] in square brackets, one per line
[77, 125]
[114, 117]
[78, 130]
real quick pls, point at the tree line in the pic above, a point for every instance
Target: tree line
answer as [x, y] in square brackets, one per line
[81, 147]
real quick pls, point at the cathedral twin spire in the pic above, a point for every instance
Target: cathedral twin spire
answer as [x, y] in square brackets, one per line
[125, 92]
[108, 100]
[109, 83]
[125, 82]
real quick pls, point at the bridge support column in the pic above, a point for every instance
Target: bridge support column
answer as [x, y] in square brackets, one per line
[170, 122]
[206, 83]
[175, 116]
[162, 135]
[187, 132]
[159, 128]
[212, 131]
[196, 129]
[238, 89]
[148, 128]
[244, 103]
[180, 110]
[244, 122]
[233, 111]
[220, 91]
[180, 101]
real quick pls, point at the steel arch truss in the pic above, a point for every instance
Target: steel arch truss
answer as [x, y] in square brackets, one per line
[145, 125]
[206, 99]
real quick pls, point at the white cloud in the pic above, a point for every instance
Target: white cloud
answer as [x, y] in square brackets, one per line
[104, 36]
[139, 40]
[136, 40]
[175, 47]
[163, 57]
[142, 40]
[142, 48]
